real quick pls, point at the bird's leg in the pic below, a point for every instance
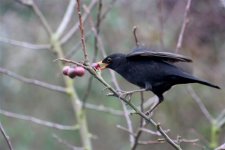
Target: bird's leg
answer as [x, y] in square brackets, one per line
[160, 99]
[129, 93]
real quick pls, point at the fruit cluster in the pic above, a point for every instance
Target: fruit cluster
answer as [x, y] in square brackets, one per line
[73, 71]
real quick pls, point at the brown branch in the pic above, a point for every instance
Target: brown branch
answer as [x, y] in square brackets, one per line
[184, 24]
[139, 132]
[6, 137]
[75, 28]
[135, 36]
[33, 81]
[95, 49]
[37, 121]
[82, 32]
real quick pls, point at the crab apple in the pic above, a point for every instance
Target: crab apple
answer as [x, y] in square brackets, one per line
[71, 72]
[79, 71]
[65, 70]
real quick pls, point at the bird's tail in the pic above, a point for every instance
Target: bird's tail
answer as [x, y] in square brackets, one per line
[207, 83]
[187, 78]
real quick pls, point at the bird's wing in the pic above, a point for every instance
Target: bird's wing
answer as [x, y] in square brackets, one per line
[165, 56]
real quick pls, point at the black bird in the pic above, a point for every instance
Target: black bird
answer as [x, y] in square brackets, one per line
[152, 71]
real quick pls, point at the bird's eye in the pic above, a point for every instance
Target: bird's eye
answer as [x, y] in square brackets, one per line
[109, 60]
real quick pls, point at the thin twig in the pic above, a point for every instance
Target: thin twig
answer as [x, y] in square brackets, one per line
[139, 131]
[75, 28]
[37, 121]
[25, 44]
[66, 19]
[33, 81]
[95, 49]
[221, 115]
[42, 18]
[163, 141]
[135, 36]
[200, 104]
[152, 132]
[6, 137]
[104, 109]
[161, 21]
[82, 32]
[61, 141]
[185, 21]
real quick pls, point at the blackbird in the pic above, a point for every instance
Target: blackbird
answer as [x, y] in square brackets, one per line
[151, 71]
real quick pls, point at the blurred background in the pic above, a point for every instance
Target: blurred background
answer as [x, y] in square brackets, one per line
[158, 25]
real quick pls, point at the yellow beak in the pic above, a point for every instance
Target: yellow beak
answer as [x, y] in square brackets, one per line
[101, 65]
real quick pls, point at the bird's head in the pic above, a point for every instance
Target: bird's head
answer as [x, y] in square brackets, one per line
[112, 61]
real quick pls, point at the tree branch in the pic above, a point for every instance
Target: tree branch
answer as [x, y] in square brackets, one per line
[37, 121]
[33, 81]
[185, 21]
[6, 137]
[25, 44]
[67, 17]
[75, 28]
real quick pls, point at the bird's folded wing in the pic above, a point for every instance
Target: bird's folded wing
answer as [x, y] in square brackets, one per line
[165, 56]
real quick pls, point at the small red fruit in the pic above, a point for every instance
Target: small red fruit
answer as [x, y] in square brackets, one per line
[65, 70]
[79, 71]
[96, 66]
[71, 72]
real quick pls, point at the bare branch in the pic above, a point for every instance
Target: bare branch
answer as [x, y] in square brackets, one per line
[25, 44]
[163, 141]
[33, 81]
[139, 131]
[37, 121]
[152, 132]
[82, 32]
[200, 104]
[104, 109]
[66, 18]
[185, 21]
[75, 28]
[125, 129]
[61, 141]
[42, 18]
[6, 137]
